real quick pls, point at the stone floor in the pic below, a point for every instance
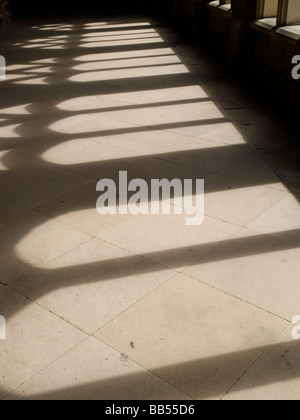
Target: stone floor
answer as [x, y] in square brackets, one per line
[142, 307]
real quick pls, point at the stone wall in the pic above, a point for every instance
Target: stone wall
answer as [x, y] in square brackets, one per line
[263, 57]
[4, 12]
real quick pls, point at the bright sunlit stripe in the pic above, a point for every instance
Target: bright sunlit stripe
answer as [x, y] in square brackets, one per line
[119, 43]
[16, 110]
[117, 25]
[32, 81]
[125, 55]
[10, 131]
[120, 33]
[95, 76]
[122, 39]
[133, 63]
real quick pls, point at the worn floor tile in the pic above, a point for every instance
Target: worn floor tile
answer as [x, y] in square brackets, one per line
[92, 284]
[258, 268]
[168, 116]
[86, 157]
[115, 74]
[155, 96]
[93, 371]
[34, 338]
[175, 248]
[141, 234]
[191, 336]
[283, 216]
[31, 241]
[211, 156]
[31, 183]
[253, 169]
[274, 376]
[87, 123]
[241, 202]
[151, 142]
[9, 210]
[225, 133]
